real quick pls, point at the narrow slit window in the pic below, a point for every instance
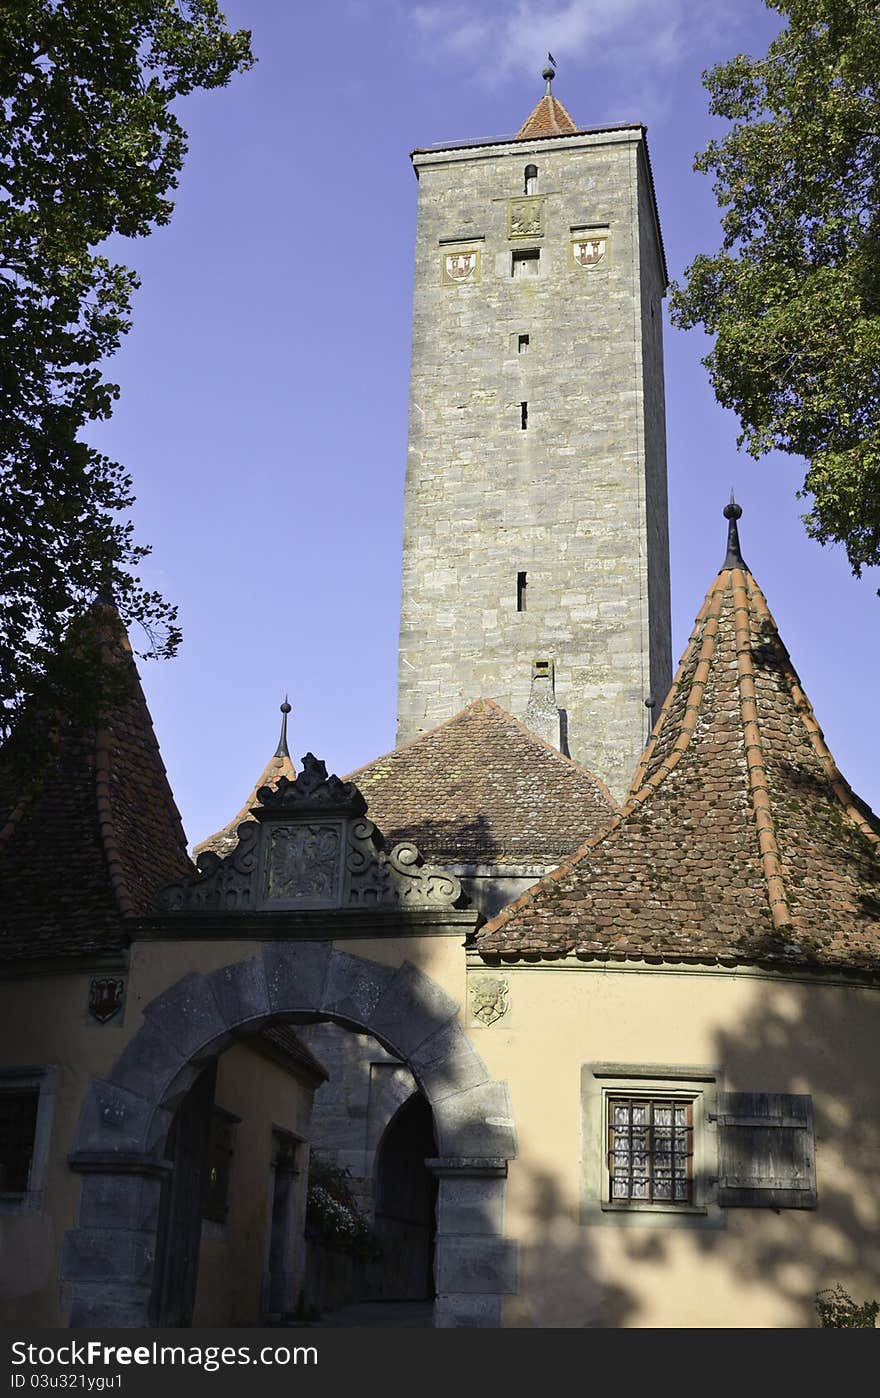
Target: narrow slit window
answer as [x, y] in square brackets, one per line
[522, 344]
[530, 180]
[521, 583]
[523, 416]
[525, 262]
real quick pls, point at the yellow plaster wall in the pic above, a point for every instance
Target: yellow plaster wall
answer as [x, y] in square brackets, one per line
[45, 1022]
[233, 1257]
[769, 1033]
[763, 1267]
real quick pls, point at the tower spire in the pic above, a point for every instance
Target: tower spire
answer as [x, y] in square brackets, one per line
[282, 748]
[732, 513]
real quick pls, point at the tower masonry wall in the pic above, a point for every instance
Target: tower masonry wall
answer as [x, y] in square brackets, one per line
[535, 516]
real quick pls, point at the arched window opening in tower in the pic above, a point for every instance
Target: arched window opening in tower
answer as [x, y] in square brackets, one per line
[523, 416]
[530, 183]
[522, 344]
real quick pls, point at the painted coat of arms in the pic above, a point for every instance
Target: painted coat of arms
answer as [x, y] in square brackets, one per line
[489, 999]
[460, 266]
[105, 997]
[589, 252]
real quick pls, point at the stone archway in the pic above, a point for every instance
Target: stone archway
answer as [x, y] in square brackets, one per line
[107, 1261]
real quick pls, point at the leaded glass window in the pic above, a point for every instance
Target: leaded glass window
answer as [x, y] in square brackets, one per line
[650, 1150]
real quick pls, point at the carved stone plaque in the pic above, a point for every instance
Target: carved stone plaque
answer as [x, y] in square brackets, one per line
[489, 998]
[525, 218]
[303, 863]
[461, 266]
[589, 251]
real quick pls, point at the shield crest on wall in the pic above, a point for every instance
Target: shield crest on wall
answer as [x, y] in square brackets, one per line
[105, 997]
[589, 252]
[460, 266]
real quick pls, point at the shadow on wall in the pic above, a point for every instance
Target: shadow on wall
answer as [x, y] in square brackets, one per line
[796, 1038]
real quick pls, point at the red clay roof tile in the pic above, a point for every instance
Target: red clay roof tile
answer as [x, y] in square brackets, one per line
[740, 840]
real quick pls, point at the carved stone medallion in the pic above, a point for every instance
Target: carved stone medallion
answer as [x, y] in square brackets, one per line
[461, 266]
[489, 998]
[106, 994]
[303, 863]
[525, 218]
[588, 252]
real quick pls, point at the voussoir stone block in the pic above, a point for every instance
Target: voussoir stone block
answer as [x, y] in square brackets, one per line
[188, 1015]
[355, 986]
[447, 1062]
[476, 1264]
[468, 1312]
[115, 1119]
[296, 974]
[241, 993]
[412, 1008]
[150, 1065]
[476, 1122]
[108, 1255]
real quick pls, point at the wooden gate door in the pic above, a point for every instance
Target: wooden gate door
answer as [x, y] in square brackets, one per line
[180, 1211]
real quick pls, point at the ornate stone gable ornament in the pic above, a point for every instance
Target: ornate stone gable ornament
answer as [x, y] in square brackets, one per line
[106, 994]
[489, 998]
[589, 251]
[461, 266]
[309, 847]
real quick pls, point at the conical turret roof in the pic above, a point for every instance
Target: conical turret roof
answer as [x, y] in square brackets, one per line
[280, 765]
[740, 840]
[89, 831]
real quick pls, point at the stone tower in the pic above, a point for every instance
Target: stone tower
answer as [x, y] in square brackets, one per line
[535, 536]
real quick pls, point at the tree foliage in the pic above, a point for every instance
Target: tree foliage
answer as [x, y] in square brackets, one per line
[793, 296]
[89, 147]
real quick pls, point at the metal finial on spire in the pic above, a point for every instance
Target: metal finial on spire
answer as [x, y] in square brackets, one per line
[282, 749]
[650, 705]
[732, 513]
[549, 74]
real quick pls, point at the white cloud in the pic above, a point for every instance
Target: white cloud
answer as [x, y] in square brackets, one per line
[498, 39]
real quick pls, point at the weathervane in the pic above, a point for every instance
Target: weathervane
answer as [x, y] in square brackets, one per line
[549, 73]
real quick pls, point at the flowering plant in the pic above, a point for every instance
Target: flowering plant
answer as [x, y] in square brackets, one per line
[332, 1215]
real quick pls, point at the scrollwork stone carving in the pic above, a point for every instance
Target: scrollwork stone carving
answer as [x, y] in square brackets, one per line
[295, 855]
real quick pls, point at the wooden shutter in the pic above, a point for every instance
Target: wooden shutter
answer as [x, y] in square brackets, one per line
[766, 1150]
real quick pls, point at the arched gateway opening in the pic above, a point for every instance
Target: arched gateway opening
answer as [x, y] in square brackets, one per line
[110, 1260]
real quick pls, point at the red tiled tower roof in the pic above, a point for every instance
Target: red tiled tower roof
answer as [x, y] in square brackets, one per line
[88, 839]
[483, 788]
[740, 841]
[549, 118]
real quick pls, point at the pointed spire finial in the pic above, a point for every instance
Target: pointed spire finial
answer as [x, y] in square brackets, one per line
[549, 74]
[732, 513]
[282, 750]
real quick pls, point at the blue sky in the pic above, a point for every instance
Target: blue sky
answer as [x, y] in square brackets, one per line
[264, 383]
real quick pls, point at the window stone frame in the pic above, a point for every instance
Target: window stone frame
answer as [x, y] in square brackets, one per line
[600, 1082]
[43, 1079]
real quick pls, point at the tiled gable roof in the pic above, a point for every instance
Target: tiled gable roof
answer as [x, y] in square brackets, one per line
[482, 788]
[96, 834]
[740, 841]
[549, 118]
